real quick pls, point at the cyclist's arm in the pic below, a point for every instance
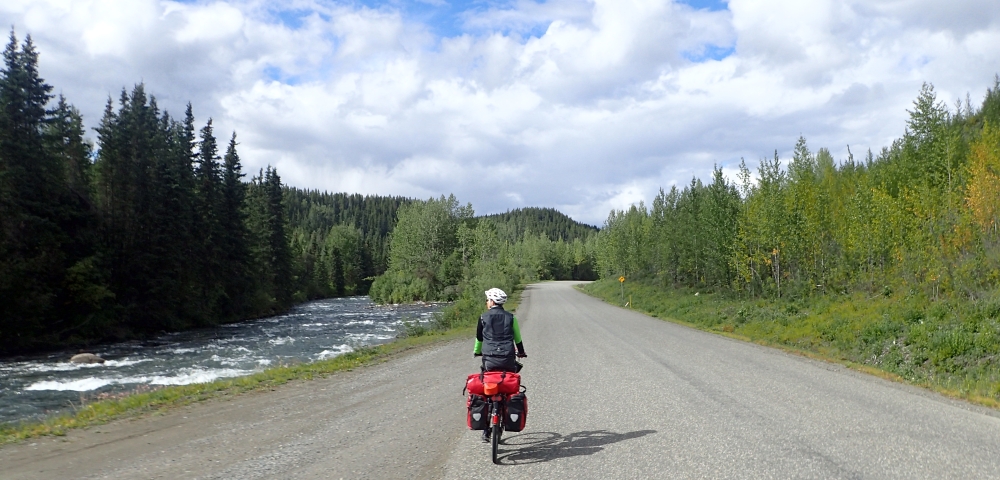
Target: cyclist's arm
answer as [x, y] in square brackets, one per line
[478, 350]
[517, 338]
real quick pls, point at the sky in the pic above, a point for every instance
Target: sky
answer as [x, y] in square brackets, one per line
[584, 106]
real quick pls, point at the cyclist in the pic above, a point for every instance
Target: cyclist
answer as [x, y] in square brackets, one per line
[497, 337]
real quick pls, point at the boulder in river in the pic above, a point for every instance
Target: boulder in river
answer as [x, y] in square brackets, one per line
[86, 358]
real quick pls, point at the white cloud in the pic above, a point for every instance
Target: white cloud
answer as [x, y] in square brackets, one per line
[575, 104]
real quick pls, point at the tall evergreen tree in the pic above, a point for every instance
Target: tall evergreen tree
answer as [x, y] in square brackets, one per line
[32, 262]
[281, 260]
[183, 160]
[65, 140]
[170, 223]
[210, 234]
[128, 202]
[234, 233]
[86, 301]
[269, 243]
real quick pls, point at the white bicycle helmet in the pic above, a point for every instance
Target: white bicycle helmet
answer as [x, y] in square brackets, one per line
[498, 296]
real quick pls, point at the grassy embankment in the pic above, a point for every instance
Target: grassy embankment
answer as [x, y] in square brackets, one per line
[950, 346]
[160, 400]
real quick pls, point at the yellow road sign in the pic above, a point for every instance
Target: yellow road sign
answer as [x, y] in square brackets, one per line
[621, 279]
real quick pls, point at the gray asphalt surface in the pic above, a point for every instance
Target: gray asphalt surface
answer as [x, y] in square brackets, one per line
[616, 394]
[612, 394]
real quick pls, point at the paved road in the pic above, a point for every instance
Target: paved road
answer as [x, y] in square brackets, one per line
[612, 394]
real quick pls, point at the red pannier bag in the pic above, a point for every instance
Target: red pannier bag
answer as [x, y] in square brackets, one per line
[478, 417]
[507, 383]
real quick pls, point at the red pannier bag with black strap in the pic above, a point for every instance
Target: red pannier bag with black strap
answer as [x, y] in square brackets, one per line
[507, 383]
[479, 412]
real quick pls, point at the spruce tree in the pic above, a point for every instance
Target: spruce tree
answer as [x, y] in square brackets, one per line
[86, 303]
[269, 245]
[32, 261]
[234, 235]
[126, 202]
[208, 178]
[183, 159]
[281, 259]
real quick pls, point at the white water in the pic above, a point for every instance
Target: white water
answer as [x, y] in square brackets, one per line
[40, 386]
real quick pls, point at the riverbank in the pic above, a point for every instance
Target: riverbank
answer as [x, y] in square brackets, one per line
[145, 401]
[952, 347]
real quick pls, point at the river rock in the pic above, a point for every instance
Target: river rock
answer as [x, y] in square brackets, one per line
[86, 358]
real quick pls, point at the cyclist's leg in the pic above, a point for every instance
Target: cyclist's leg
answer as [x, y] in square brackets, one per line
[489, 424]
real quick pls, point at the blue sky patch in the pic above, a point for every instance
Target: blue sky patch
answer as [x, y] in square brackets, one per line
[711, 5]
[445, 18]
[537, 31]
[272, 73]
[292, 18]
[278, 75]
[709, 52]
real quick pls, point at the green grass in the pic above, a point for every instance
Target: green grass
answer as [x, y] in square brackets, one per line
[951, 346]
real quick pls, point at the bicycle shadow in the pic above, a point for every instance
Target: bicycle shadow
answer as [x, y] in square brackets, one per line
[536, 447]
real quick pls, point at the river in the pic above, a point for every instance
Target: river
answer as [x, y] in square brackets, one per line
[32, 388]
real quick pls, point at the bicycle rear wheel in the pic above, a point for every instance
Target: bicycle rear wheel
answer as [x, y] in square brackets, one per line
[496, 441]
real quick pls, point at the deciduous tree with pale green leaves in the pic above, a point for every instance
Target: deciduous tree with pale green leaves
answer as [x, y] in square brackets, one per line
[916, 217]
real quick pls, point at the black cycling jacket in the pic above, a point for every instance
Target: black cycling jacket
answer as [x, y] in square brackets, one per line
[497, 333]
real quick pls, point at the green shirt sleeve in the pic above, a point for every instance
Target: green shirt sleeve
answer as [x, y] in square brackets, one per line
[479, 347]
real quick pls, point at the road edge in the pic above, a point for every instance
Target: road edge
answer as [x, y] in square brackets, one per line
[985, 405]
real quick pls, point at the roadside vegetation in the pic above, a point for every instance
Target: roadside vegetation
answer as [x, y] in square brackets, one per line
[891, 262]
[947, 346]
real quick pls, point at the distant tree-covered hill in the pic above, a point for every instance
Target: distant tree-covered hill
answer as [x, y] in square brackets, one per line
[341, 240]
[312, 210]
[440, 251]
[512, 225]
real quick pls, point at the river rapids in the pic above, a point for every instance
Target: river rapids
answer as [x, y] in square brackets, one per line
[32, 388]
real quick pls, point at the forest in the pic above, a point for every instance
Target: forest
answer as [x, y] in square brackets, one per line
[152, 229]
[919, 217]
[440, 250]
[511, 226]
[155, 227]
[340, 241]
